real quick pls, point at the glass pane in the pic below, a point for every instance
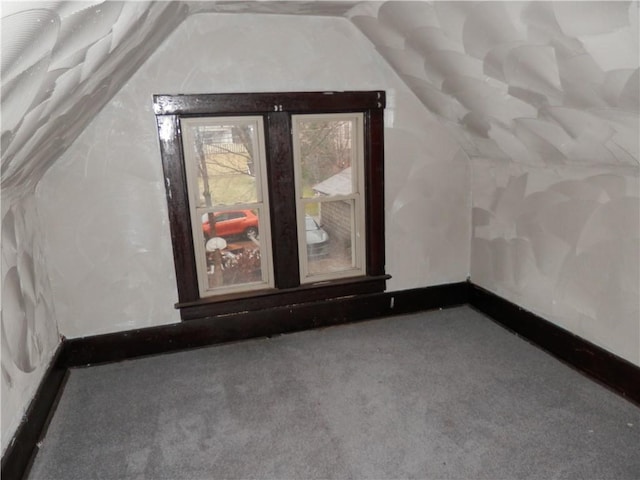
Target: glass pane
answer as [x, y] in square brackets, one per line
[325, 156]
[328, 237]
[225, 157]
[232, 247]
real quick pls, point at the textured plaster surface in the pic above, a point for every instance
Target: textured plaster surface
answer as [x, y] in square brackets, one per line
[544, 99]
[61, 62]
[535, 83]
[563, 243]
[104, 204]
[29, 332]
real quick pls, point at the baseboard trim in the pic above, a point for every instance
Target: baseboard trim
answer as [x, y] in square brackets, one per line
[600, 365]
[120, 346]
[23, 448]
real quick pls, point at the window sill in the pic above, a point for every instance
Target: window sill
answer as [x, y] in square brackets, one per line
[269, 298]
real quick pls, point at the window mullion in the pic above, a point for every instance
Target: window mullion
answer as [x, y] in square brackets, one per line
[282, 198]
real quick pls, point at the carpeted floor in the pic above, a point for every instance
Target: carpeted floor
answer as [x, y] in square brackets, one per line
[436, 395]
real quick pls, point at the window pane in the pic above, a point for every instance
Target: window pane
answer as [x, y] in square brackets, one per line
[326, 153]
[329, 237]
[224, 164]
[232, 248]
[225, 155]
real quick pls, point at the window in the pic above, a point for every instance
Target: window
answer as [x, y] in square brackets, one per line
[225, 163]
[328, 159]
[273, 198]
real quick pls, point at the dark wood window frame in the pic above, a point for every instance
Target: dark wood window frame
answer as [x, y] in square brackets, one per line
[276, 110]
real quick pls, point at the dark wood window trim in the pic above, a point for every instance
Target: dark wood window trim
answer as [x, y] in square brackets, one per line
[276, 110]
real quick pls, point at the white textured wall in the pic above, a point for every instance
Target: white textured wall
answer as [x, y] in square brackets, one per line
[427, 199]
[103, 201]
[29, 332]
[61, 62]
[564, 243]
[544, 98]
[536, 83]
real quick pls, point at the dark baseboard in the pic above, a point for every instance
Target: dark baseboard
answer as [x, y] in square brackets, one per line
[232, 327]
[22, 450]
[606, 368]
[120, 346]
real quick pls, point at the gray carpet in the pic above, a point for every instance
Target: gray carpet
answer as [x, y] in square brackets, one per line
[437, 395]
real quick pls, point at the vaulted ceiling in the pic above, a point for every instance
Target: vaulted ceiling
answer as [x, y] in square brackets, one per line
[541, 83]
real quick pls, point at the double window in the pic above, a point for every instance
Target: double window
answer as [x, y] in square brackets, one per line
[273, 198]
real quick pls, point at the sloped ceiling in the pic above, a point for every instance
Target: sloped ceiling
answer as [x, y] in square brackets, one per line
[541, 83]
[61, 62]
